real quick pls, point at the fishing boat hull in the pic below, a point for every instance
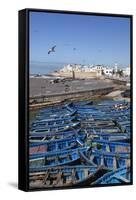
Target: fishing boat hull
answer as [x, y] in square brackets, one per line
[119, 176]
[55, 145]
[58, 158]
[66, 176]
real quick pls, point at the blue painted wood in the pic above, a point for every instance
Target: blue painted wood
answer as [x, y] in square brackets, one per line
[42, 121]
[108, 159]
[57, 145]
[52, 115]
[62, 168]
[57, 128]
[42, 177]
[53, 123]
[65, 133]
[111, 143]
[67, 138]
[58, 158]
[121, 175]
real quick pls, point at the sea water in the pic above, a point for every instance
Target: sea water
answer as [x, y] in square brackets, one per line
[44, 67]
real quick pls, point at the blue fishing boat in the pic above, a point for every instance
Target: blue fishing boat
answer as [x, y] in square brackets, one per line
[37, 137]
[53, 115]
[52, 121]
[58, 158]
[89, 112]
[57, 128]
[98, 125]
[103, 130]
[79, 175]
[53, 108]
[55, 145]
[69, 143]
[111, 146]
[57, 123]
[85, 108]
[90, 117]
[110, 160]
[108, 136]
[100, 122]
[121, 175]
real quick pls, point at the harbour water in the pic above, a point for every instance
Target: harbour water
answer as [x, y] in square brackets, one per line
[44, 67]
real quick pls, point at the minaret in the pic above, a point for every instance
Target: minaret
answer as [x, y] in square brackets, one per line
[116, 67]
[73, 74]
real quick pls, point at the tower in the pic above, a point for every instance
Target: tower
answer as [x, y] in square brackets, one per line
[73, 74]
[116, 67]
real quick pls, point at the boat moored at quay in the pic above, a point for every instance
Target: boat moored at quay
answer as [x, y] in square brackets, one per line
[80, 143]
[121, 175]
[56, 145]
[78, 175]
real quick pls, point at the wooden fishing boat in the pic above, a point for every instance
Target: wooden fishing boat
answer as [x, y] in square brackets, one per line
[53, 115]
[91, 118]
[66, 176]
[94, 116]
[110, 160]
[86, 107]
[123, 122]
[111, 146]
[98, 125]
[118, 176]
[103, 130]
[108, 136]
[89, 112]
[37, 137]
[100, 122]
[57, 128]
[112, 104]
[117, 113]
[55, 145]
[43, 124]
[58, 158]
[114, 109]
[109, 102]
[53, 108]
[52, 121]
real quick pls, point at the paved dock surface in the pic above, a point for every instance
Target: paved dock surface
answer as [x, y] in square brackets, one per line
[43, 86]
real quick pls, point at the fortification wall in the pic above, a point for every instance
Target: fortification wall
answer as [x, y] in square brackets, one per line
[43, 101]
[77, 74]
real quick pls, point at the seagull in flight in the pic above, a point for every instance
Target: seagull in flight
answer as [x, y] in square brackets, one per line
[51, 49]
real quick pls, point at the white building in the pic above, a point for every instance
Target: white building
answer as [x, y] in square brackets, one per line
[108, 71]
[126, 71]
[100, 69]
[67, 68]
[72, 67]
[87, 68]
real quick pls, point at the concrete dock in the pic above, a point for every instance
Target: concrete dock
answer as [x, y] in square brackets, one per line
[43, 86]
[46, 91]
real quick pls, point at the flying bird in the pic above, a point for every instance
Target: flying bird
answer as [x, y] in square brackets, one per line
[51, 49]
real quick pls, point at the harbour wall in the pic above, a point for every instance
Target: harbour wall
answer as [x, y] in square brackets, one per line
[79, 75]
[117, 81]
[43, 101]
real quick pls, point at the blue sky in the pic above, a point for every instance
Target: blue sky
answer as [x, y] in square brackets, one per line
[97, 39]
